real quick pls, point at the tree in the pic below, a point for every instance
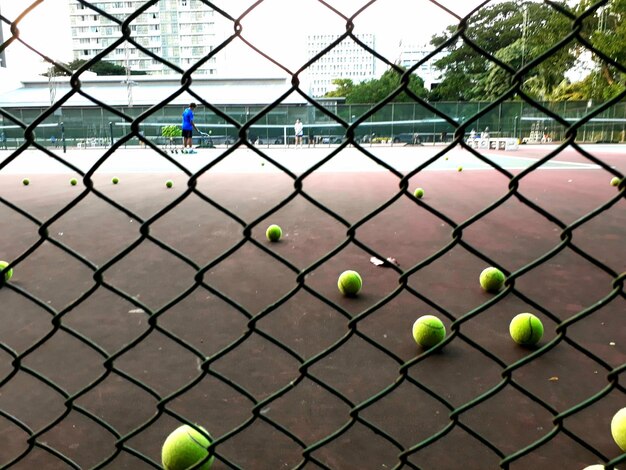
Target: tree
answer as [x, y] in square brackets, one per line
[102, 67]
[375, 90]
[513, 35]
[592, 87]
[345, 86]
[606, 31]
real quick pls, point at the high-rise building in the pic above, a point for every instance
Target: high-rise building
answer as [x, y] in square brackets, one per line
[411, 54]
[180, 31]
[346, 60]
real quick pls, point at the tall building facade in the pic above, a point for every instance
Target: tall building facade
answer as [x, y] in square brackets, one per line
[180, 31]
[346, 60]
[411, 54]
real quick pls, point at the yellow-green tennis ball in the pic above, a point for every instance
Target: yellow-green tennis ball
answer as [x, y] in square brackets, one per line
[349, 283]
[73, 181]
[7, 274]
[184, 448]
[446, 158]
[618, 429]
[273, 233]
[615, 181]
[419, 193]
[459, 168]
[491, 279]
[526, 329]
[169, 183]
[594, 467]
[428, 331]
[115, 180]
[25, 181]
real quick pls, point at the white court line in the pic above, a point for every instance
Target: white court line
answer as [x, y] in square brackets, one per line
[559, 163]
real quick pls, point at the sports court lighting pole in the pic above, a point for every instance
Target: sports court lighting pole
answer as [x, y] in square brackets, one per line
[524, 31]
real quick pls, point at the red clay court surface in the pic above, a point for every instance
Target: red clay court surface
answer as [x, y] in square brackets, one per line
[513, 235]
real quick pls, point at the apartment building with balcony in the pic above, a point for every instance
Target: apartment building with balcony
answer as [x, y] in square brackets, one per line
[179, 31]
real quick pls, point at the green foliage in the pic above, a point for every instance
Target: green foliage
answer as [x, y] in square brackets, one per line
[375, 90]
[499, 29]
[344, 86]
[101, 67]
[606, 31]
[171, 131]
[592, 87]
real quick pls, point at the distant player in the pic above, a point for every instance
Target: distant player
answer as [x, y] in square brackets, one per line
[298, 128]
[188, 127]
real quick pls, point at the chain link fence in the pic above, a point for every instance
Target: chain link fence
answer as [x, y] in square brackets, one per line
[375, 415]
[509, 119]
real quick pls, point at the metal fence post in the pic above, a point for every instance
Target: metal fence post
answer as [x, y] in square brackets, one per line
[63, 138]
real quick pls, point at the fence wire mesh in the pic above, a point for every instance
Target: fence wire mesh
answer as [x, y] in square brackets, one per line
[34, 445]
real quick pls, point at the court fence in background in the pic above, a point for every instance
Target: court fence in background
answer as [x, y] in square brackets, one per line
[392, 122]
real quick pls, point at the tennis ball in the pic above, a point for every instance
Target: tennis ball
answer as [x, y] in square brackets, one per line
[73, 181]
[459, 168]
[25, 181]
[428, 331]
[169, 183]
[185, 447]
[349, 283]
[526, 329]
[615, 181]
[491, 279]
[618, 429]
[594, 467]
[273, 233]
[7, 274]
[419, 193]
[115, 180]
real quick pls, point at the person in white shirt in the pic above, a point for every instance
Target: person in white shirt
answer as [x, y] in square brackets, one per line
[298, 127]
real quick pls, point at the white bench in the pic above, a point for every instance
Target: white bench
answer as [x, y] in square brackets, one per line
[500, 143]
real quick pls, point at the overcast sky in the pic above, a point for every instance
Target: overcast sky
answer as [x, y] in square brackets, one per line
[278, 27]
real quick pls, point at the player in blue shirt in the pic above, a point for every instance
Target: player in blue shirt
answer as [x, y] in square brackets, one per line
[188, 127]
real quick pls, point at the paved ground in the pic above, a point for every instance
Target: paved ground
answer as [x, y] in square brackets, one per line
[405, 159]
[214, 316]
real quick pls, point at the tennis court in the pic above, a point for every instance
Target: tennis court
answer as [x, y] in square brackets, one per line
[166, 311]
[350, 159]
